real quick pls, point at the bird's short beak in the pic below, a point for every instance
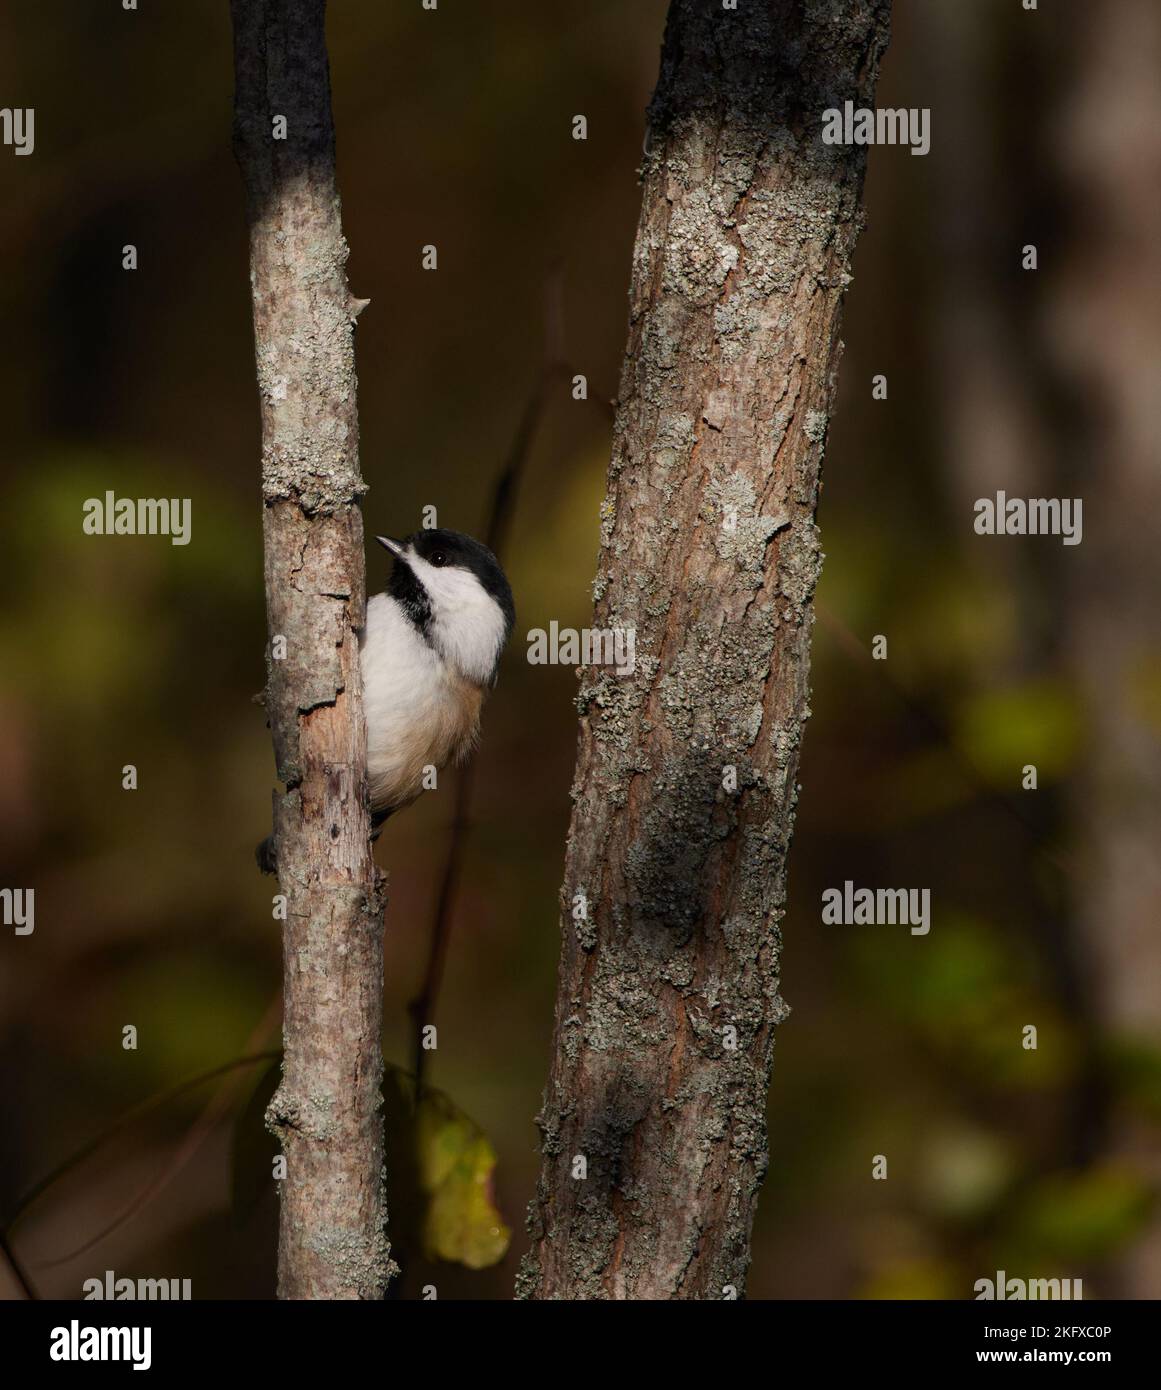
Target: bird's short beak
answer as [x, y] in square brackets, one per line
[395, 547]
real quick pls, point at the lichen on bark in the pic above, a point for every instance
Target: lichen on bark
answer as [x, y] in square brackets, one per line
[669, 988]
[327, 1109]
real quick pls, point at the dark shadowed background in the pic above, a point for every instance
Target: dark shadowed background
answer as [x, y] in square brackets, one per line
[455, 128]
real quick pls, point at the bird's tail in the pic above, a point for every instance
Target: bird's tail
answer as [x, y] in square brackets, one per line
[266, 856]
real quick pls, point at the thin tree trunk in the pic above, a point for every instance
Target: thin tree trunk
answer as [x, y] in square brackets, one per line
[675, 883]
[327, 1109]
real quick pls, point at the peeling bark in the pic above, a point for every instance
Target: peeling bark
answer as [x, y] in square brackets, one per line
[327, 1109]
[709, 550]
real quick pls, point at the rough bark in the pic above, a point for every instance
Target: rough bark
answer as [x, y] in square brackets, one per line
[326, 1111]
[710, 551]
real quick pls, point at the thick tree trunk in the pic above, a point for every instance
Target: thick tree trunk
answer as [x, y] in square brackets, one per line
[675, 882]
[327, 1110]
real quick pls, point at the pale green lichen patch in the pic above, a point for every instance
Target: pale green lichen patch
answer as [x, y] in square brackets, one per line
[709, 549]
[741, 531]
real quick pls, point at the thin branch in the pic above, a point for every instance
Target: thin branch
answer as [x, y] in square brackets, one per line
[66, 1166]
[503, 504]
[215, 1110]
[130, 1117]
[21, 1277]
[500, 513]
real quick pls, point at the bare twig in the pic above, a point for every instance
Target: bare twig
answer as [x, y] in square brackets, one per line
[66, 1166]
[21, 1277]
[500, 513]
[216, 1108]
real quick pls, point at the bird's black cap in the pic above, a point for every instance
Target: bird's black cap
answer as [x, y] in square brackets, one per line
[441, 547]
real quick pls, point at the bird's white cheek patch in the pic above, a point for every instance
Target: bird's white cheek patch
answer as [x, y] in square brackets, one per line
[467, 624]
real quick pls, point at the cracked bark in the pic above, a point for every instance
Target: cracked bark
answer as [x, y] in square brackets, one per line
[327, 1110]
[710, 551]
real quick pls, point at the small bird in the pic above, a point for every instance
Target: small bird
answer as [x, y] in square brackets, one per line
[429, 653]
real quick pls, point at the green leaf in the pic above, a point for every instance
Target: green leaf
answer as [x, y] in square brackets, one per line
[1002, 730]
[1087, 1214]
[969, 993]
[456, 1163]
[915, 1278]
[439, 1171]
[1136, 1070]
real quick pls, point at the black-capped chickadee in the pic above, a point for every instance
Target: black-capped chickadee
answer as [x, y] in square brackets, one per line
[429, 654]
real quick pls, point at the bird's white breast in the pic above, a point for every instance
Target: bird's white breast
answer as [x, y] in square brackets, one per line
[419, 711]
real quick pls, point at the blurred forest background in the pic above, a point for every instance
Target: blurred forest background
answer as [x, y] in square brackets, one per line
[454, 128]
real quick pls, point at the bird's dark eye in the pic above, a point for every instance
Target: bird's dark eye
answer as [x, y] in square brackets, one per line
[437, 558]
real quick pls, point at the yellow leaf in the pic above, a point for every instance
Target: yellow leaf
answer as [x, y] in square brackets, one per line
[456, 1163]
